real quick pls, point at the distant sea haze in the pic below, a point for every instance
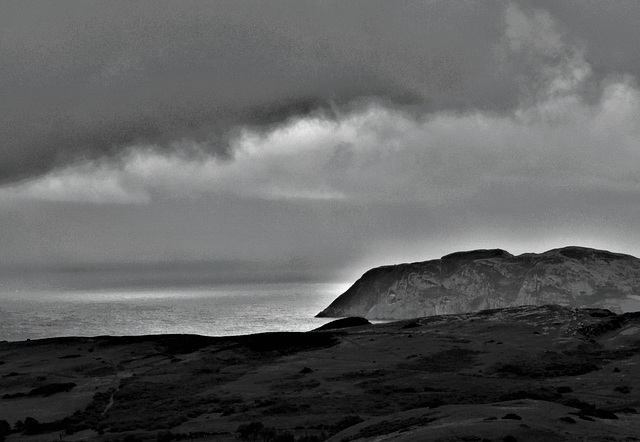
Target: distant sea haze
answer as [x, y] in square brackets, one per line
[79, 304]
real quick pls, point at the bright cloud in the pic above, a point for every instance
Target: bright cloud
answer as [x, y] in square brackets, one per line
[378, 154]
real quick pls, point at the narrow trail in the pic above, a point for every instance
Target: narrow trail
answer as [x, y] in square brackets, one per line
[110, 403]
[117, 382]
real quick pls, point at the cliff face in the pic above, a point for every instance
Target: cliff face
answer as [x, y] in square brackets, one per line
[485, 279]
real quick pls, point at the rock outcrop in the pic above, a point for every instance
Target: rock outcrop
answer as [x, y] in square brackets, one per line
[486, 279]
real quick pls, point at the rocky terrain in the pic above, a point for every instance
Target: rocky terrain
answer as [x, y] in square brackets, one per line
[532, 373]
[484, 279]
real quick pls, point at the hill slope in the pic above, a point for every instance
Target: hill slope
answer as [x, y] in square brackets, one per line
[545, 373]
[483, 279]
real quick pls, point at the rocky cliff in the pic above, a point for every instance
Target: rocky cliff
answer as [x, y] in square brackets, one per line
[486, 279]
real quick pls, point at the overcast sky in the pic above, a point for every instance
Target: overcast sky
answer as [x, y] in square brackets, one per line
[316, 138]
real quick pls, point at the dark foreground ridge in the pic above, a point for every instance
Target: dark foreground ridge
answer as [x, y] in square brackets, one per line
[525, 373]
[481, 279]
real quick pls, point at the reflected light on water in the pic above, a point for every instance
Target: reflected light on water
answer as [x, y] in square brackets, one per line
[213, 311]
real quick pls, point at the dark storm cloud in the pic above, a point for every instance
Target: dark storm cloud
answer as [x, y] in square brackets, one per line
[80, 80]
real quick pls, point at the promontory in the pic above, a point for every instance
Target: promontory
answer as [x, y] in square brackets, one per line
[485, 279]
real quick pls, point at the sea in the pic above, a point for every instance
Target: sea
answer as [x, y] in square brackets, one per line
[124, 303]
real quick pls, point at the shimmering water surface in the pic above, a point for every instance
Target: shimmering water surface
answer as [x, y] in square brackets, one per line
[31, 311]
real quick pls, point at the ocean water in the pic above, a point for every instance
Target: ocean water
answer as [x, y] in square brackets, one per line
[81, 304]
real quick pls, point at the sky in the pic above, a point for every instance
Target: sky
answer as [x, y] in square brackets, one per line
[315, 140]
